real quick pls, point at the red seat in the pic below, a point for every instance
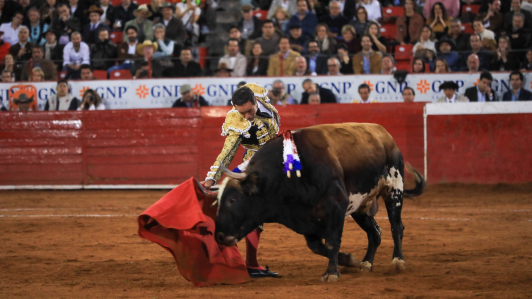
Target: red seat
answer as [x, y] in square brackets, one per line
[61, 75]
[388, 31]
[140, 2]
[472, 8]
[467, 28]
[403, 65]
[121, 75]
[392, 12]
[117, 37]
[99, 74]
[427, 67]
[116, 2]
[261, 14]
[403, 52]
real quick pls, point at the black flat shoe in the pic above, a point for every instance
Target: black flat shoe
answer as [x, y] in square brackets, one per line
[257, 273]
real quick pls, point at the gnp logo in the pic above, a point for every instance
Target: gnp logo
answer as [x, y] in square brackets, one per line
[369, 84]
[198, 89]
[142, 92]
[423, 86]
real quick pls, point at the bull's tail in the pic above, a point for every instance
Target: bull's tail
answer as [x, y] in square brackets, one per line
[420, 182]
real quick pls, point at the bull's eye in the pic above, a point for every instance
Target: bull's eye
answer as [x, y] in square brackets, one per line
[232, 201]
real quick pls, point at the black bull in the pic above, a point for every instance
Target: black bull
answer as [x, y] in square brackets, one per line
[346, 167]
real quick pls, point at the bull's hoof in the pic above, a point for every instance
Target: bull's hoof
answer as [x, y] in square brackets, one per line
[366, 266]
[398, 264]
[330, 277]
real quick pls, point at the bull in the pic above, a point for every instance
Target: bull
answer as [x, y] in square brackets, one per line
[345, 169]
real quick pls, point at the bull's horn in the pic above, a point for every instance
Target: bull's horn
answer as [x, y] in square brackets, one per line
[234, 175]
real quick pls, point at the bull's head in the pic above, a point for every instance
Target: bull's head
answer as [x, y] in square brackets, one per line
[238, 211]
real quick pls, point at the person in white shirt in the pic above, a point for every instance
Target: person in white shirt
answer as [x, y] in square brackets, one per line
[75, 54]
[449, 89]
[478, 25]
[363, 91]
[91, 101]
[373, 7]
[63, 100]
[189, 14]
[11, 29]
[234, 59]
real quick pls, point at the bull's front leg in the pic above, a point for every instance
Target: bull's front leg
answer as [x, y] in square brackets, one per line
[335, 227]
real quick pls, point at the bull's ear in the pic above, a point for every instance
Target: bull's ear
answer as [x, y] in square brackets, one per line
[250, 184]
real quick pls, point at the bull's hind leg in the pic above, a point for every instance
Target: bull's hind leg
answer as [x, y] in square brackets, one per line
[394, 205]
[373, 231]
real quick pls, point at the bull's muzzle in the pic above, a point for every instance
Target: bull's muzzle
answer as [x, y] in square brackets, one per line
[222, 239]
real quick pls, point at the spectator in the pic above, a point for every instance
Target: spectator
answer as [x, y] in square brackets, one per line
[482, 92]
[473, 64]
[142, 24]
[62, 100]
[75, 54]
[314, 99]
[143, 70]
[244, 48]
[185, 66]
[175, 30]
[439, 21]
[447, 51]
[86, 72]
[388, 65]
[452, 7]
[123, 14]
[103, 52]
[127, 51]
[476, 48]
[426, 47]
[363, 92]
[527, 5]
[38, 75]
[11, 29]
[307, 19]
[335, 21]
[9, 64]
[317, 62]
[24, 6]
[257, 64]
[92, 30]
[189, 98]
[108, 16]
[333, 64]
[441, 66]
[166, 46]
[527, 62]
[21, 51]
[53, 51]
[367, 61]
[48, 11]
[518, 93]
[408, 26]
[289, 6]
[46, 66]
[297, 42]
[418, 66]
[326, 95]
[37, 27]
[269, 40]
[505, 60]
[484, 33]
[326, 43]
[350, 40]
[4, 47]
[519, 36]
[155, 9]
[234, 59]
[7, 76]
[449, 90]
[281, 97]
[159, 68]
[516, 10]
[347, 8]
[189, 14]
[64, 24]
[6, 11]
[77, 11]
[91, 101]
[250, 25]
[346, 65]
[461, 39]
[318, 7]
[378, 41]
[361, 23]
[408, 95]
[373, 8]
[23, 102]
[493, 19]
[301, 68]
[280, 20]
[282, 63]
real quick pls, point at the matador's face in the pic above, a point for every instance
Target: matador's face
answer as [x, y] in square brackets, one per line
[248, 110]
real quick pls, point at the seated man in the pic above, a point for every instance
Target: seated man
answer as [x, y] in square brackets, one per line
[53, 50]
[91, 30]
[75, 54]
[518, 93]
[49, 69]
[234, 59]
[142, 23]
[333, 64]
[314, 99]
[316, 62]
[388, 65]
[127, 51]
[326, 95]
[367, 61]
[449, 89]
[63, 100]
[223, 71]
[185, 66]
[189, 98]
[279, 95]
[460, 38]
[446, 50]
[283, 62]
[159, 67]
[297, 42]
[408, 95]
[64, 24]
[23, 102]
[346, 65]
[473, 64]
[334, 20]
[476, 48]
[7, 76]
[21, 51]
[103, 52]
[301, 68]
[363, 92]
[482, 92]
[86, 72]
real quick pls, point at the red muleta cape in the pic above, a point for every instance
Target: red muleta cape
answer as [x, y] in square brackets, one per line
[182, 222]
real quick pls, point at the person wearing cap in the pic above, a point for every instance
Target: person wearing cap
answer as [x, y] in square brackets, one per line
[189, 98]
[250, 26]
[23, 102]
[75, 54]
[252, 122]
[37, 27]
[175, 30]
[53, 51]
[4, 47]
[446, 50]
[91, 30]
[103, 52]
[482, 92]
[48, 67]
[11, 29]
[158, 66]
[142, 24]
[123, 14]
[297, 42]
[62, 100]
[64, 24]
[223, 70]
[449, 90]
[234, 59]
[306, 18]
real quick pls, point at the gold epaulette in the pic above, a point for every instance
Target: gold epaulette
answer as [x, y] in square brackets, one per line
[235, 122]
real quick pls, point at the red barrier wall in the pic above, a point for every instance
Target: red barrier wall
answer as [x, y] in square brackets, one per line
[483, 149]
[160, 146]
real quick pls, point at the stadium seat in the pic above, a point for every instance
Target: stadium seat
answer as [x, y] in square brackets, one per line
[121, 75]
[403, 65]
[61, 75]
[116, 2]
[140, 2]
[203, 53]
[427, 67]
[403, 52]
[472, 8]
[261, 14]
[117, 37]
[100, 75]
[467, 28]
[392, 12]
[388, 31]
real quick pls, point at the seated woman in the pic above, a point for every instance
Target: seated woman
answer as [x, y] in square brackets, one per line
[439, 21]
[361, 23]
[280, 20]
[526, 64]
[505, 60]
[326, 43]
[350, 39]
[91, 101]
[379, 42]
[257, 63]
[38, 75]
[373, 8]
[418, 66]
[441, 66]
[425, 48]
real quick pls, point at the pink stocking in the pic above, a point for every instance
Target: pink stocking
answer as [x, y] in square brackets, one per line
[252, 245]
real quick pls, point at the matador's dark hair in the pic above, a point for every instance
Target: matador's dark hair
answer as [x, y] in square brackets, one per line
[243, 95]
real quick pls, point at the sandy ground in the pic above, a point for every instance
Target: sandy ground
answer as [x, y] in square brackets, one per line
[460, 242]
